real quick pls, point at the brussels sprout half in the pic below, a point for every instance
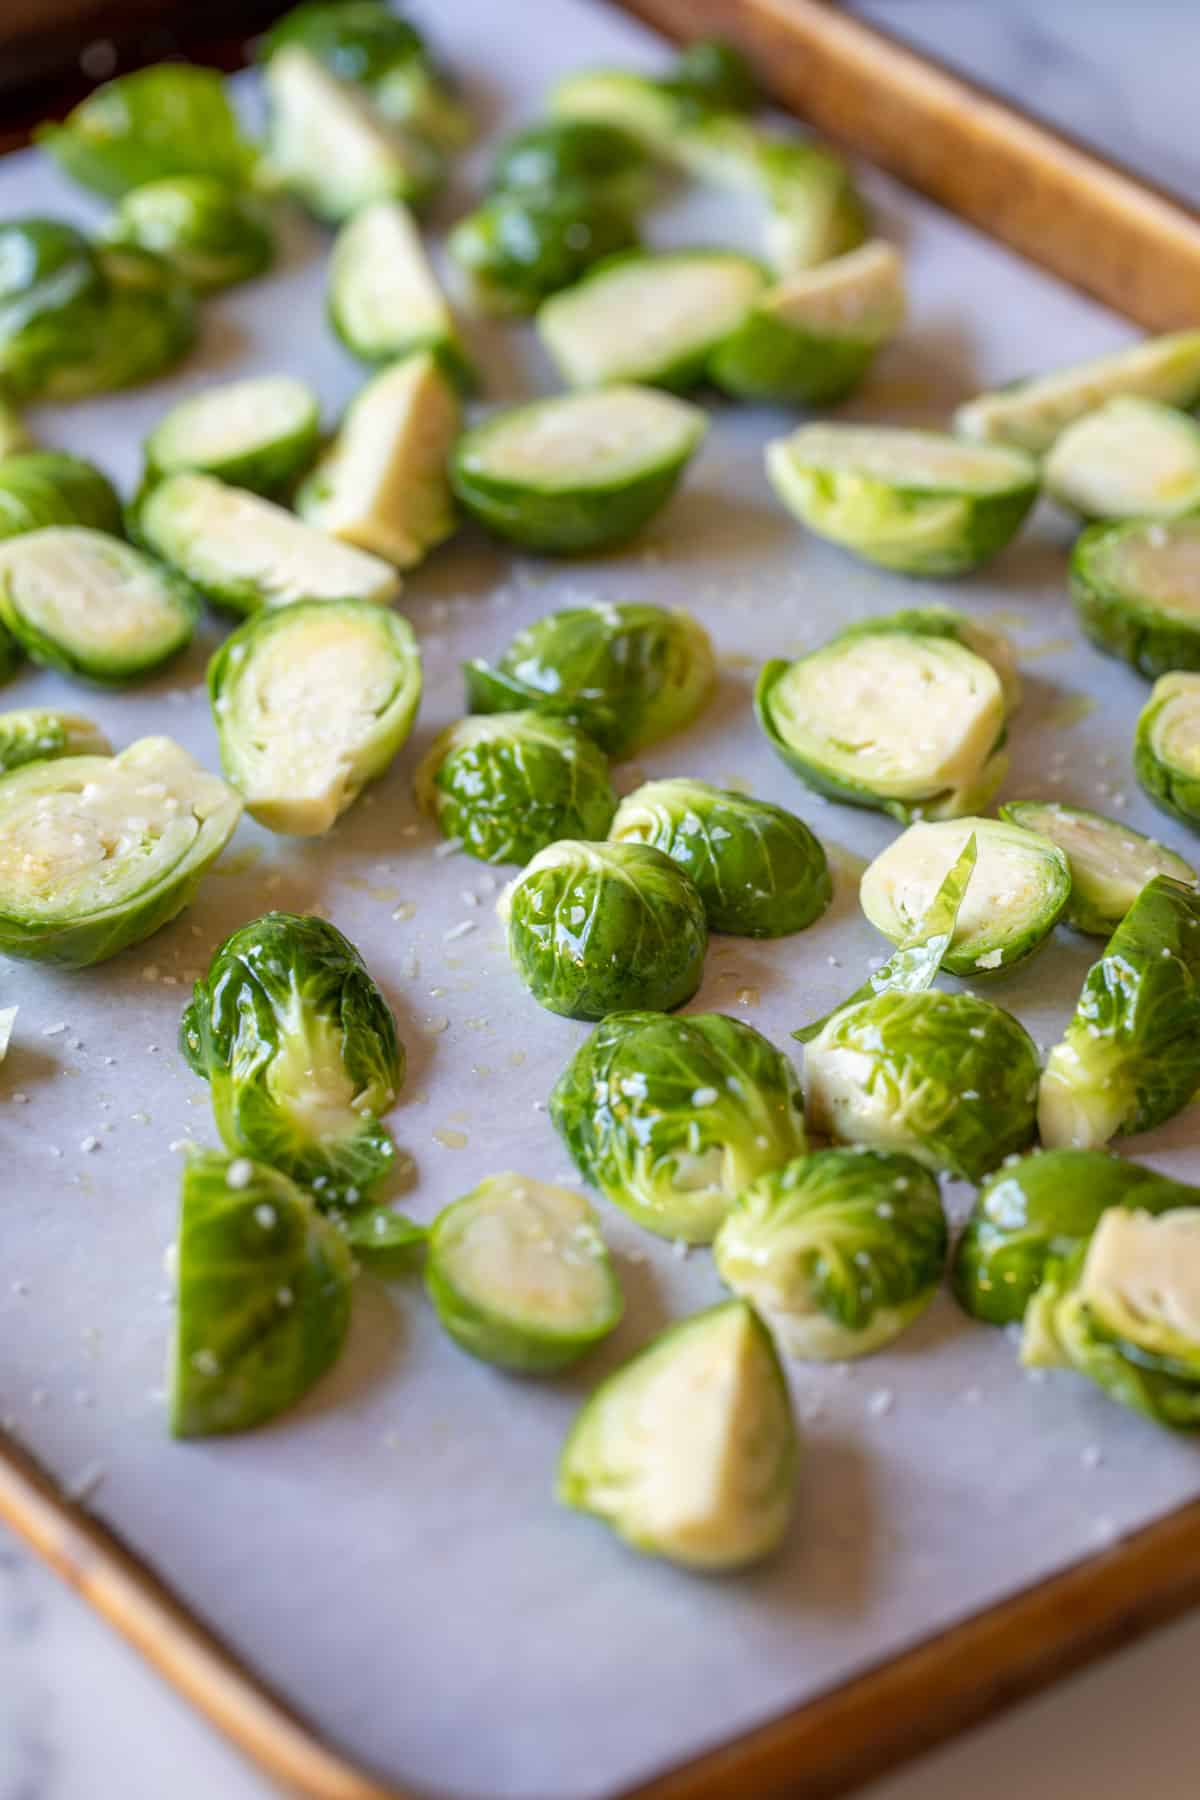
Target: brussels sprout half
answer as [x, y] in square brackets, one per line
[1130, 459]
[649, 316]
[519, 1275]
[1018, 891]
[88, 604]
[212, 234]
[519, 248]
[814, 210]
[672, 1118]
[578, 472]
[895, 719]
[1136, 588]
[838, 1251]
[507, 785]
[1040, 1208]
[1130, 1057]
[382, 482]
[594, 928]
[939, 620]
[263, 1299]
[917, 501]
[565, 153]
[948, 1078]
[170, 119]
[383, 298]
[258, 433]
[1110, 863]
[300, 1050]
[48, 487]
[311, 702]
[147, 323]
[243, 552]
[1030, 414]
[37, 734]
[52, 294]
[1166, 747]
[689, 1450]
[97, 852]
[759, 870]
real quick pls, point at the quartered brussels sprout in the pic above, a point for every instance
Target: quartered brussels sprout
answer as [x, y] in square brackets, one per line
[170, 119]
[38, 734]
[97, 852]
[257, 433]
[519, 1275]
[1130, 459]
[759, 870]
[948, 1078]
[48, 487]
[263, 1301]
[1166, 747]
[558, 154]
[311, 702]
[15, 436]
[1124, 1310]
[1110, 863]
[382, 483]
[891, 717]
[838, 1251]
[811, 338]
[597, 928]
[654, 316]
[518, 248]
[689, 1450]
[88, 604]
[672, 1118]
[917, 501]
[384, 301]
[1136, 588]
[212, 234]
[1031, 414]
[506, 785]
[243, 552]
[1041, 1208]
[578, 472]
[299, 1048]
[1130, 1057]
[52, 295]
[1018, 890]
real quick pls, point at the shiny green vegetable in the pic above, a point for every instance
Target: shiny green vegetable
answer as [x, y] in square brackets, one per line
[53, 294]
[38, 734]
[170, 119]
[1166, 746]
[560, 154]
[258, 433]
[211, 233]
[147, 324]
[516, 249]
[1130, 459]
[49, 487]
[1110, 863]
[384, 301]
[1136, 588]
[710, 72]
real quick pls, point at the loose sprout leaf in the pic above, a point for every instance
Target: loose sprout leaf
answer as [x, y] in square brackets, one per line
[1130, 459]
[169, 119]
[1166, 747]
[671, 1118]
[384, 1241]
[49, 487]
[384, 301]
[1136, 589]
[517, 249]
[39, 734]
[257, 433]
[212, 234]
[1110, 863]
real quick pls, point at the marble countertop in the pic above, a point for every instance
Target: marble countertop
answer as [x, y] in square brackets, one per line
[82, 1718]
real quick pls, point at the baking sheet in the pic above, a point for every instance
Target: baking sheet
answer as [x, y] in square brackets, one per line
[388, 1556]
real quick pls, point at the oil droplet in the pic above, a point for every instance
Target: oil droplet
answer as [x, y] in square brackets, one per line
[737, 659]
[516, 1058]
[1005, 619]
[450, 1140]
[406, 910]
[241, 862]
[846, 863]
[738, 783]
[748, 996]
[1051, 647]
[382, 894]
[433, 1024]
[1071, 711]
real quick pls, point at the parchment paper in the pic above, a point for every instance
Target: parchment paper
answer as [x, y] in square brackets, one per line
[389, 1556]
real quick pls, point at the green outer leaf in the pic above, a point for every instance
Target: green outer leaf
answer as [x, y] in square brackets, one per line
[517, 249]
[264, 1297]
[212, 234]
[626, 1107]
[1174, 786]
[386, 1242]
[1102, 892]
[49, 487]
[553, 154]
[1116, 618]
[169, 119]
[714, 73]
[767, 359]
[41, 735]
[358, 40]
[260, 457]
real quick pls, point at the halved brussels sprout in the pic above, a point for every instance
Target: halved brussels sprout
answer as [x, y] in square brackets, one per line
[689, 1450]
[1136, 588]
[838, 1251]
[243, 552]
[382, 482]
[901, 720]
[332, 149]
[15, 436]
[519, 1275]
[97, 852]
[263, 1300]
[1043, 1207]
[673, 1118]
[759, 870]
[300, 1050]
[649, 316]
[257, 433]
[211, 233]
[519, 248]
[311, 702]
[1030, 414]
[811, 338]
[507, 785]
[37, 734]
[1130, 459]
[1018, 891]
[939, 620]
[948, 1078]
[577, 472]
[596, 928]
[917, 501]
[1130, 1057]
[170, 119]
[815, 212]
[384, 299]
[645, 109]
[147, 323]
[1166, 747]
[88, 604]
[1110, 863]
[48, 487]
[53, 292]
[558, 154]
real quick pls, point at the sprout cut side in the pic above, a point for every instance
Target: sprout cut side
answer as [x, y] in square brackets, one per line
[258, 433]
[1166, 747]
[1131, 459]
[384, 300]
[211, 234]
[41, 735]
[1110, 863]
[48, 487]
[1136, 588]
